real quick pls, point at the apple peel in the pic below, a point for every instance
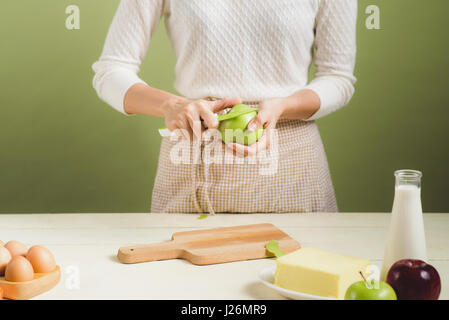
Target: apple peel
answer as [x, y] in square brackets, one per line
[273, 248]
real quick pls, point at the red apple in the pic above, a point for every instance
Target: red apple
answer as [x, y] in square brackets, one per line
[414, 280]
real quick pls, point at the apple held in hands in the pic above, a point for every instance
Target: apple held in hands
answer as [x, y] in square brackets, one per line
[235, 129]
[414, 280]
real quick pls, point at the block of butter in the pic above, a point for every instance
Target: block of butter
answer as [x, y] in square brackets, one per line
[318, 272]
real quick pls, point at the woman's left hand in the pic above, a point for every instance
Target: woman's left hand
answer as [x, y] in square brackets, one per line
[269, 113]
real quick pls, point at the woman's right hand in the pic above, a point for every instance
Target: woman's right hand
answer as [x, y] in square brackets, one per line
[186, 115]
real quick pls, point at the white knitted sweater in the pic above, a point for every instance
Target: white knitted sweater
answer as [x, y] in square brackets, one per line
[248, 49]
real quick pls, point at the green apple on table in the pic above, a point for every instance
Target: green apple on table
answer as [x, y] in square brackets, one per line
[235, 129]
[362, 290]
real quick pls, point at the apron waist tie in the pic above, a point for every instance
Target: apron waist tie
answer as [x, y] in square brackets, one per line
[194, 187]
[195, 166]
[210, 208]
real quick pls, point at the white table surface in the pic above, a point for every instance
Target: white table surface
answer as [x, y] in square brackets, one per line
[85, 246]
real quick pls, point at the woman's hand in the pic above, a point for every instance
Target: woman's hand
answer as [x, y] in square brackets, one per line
[269, 113]
[299, 106]
[186, 115]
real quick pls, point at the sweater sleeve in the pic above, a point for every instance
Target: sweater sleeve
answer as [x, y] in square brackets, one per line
[335, 43]
[126, 45]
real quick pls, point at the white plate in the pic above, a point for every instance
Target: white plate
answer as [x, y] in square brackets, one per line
[266, 276]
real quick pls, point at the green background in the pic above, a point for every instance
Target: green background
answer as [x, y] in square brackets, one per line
[64, 150]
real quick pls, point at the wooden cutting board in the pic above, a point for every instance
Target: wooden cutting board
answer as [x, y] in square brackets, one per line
[211, 246]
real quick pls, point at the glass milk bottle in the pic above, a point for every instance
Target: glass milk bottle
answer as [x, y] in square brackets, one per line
[406, 239]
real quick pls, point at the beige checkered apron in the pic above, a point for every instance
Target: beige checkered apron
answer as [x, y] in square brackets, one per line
[302, 182]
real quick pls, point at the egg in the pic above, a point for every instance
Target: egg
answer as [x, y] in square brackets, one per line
[19, 269]
[5, 257]
[41, 259]
[16, 248]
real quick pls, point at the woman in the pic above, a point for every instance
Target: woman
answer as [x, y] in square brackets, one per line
[232, 51]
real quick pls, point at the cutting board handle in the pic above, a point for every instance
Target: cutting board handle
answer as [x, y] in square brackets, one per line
[151, 252]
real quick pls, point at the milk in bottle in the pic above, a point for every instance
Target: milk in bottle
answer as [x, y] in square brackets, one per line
[406, 239]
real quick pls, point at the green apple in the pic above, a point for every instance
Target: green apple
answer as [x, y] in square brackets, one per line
[362, 291]
[234, 129]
